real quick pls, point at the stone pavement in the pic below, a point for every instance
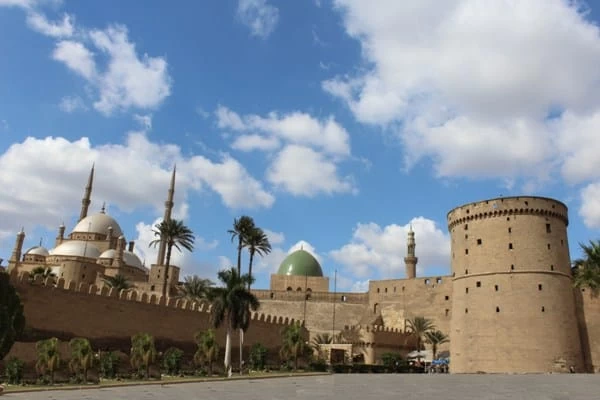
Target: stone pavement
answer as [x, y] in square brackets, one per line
[353, 387]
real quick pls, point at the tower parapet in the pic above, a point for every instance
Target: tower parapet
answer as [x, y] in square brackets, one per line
[512, 285]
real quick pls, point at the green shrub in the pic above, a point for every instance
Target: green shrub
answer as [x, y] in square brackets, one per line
[14, 371]
[319, 365]
[109, 364]
[172, 361]
[258, 356]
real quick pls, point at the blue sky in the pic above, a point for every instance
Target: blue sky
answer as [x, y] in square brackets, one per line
[334, 123]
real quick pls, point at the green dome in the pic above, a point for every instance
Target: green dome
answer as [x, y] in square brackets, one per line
[300, 263]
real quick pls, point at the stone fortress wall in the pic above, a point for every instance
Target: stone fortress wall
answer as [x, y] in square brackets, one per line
[513, 305]
[109, 319]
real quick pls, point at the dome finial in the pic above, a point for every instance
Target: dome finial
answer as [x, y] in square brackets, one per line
[41, 241]
[103, 209]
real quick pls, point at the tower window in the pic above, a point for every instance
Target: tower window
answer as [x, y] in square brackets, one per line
[467, 251]
[562, 242]
[427, 281]
[403, 288]
[512, 266]
[543, 309]
[478, 283]
[438, 280]
[508, 218]
[540, 286]
[552, 268]
[510, 246]
[526, 203]
[466, 272]
[378, 290]
[497, 309]
[479, 241]
[466, 290]
[466, 310]
[509, 230]
[548, 228]
[466, 236]
[548, 246]
[496, 288]
[394, 289]
[446, 298]
[447, 312]
[385, 290]
[466, 227]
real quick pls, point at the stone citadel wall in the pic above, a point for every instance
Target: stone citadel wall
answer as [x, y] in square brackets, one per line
[588, 313]
[109, 319]
[513, 307]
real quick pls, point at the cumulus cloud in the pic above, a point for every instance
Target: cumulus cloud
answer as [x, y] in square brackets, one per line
[467, 83]
[77, 57]
[145, 121]
[138, 174]
[378, 252]
[302, 171]
[590, 205]
[259, 16]
[39, 23]
[70, 104]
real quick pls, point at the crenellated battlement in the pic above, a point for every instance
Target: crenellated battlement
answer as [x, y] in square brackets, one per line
[20, 279]
[379, 335]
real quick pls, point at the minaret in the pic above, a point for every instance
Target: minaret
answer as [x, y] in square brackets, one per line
[160, 259]
[411, 260]
[15, 258]
[85, 202]
[61, 235]
[118, 261]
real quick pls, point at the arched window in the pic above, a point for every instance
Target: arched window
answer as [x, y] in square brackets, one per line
[289, 289]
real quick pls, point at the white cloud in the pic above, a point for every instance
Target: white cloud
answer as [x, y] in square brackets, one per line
[225, 263]
[77, 57]
[129, 81]
[295, 127]
[202, 112]
[590, 205]
[255, 142]
[39, 23]
[145, 121]
[17, 3]
[259, 16]
[360, 286]
[374, 250]
[302, 171]
[129, 175]
[145, 235]
[71, 104]
[275, 238]
[468, 84]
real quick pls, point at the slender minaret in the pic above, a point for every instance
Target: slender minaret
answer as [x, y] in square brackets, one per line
[85, 202]
[160, 259]
[411, 260]
[61, 235]
[118, 261]
[15, 258]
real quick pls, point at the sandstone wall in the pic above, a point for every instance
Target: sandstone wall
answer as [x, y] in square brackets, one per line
[109, 319]
[588, 307]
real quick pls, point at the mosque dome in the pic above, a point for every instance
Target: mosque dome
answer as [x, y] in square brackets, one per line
[77, 248]
[98, 223]
[38, 251]
[129, 258]
[300, 263]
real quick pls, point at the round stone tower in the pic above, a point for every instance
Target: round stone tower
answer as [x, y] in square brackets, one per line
[513, 306]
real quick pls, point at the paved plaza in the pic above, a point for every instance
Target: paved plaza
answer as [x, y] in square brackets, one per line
[353, 387]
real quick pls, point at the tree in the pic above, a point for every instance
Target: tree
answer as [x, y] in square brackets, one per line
[587, 269]
[435, 338]
[12, 320]
[195, 288]
[118, 282]
[82, 357]
[45, 272]
[231, 304]
[241, 230]
[293, 344]
[257, 243]
[208, 349]
[175, 234]
[143, 352]
[418, 326]
[48, 357]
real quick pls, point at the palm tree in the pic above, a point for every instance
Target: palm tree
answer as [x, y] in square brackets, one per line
[241, 230]
[82, 356]
[45, 272]
[143, 352]
[293, 343]
[231, 304]
[418, 326]
[48, 357]
[118, 282]
[175, 234]
[195, 288]
[257, 243]
[436, 338]
[318, 340]
[208, 349]
[587, 269]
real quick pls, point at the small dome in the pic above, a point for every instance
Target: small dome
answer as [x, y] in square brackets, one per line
[98, 223]
[38, 251]
[130, 259]
[76, 248]
[300, 263]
